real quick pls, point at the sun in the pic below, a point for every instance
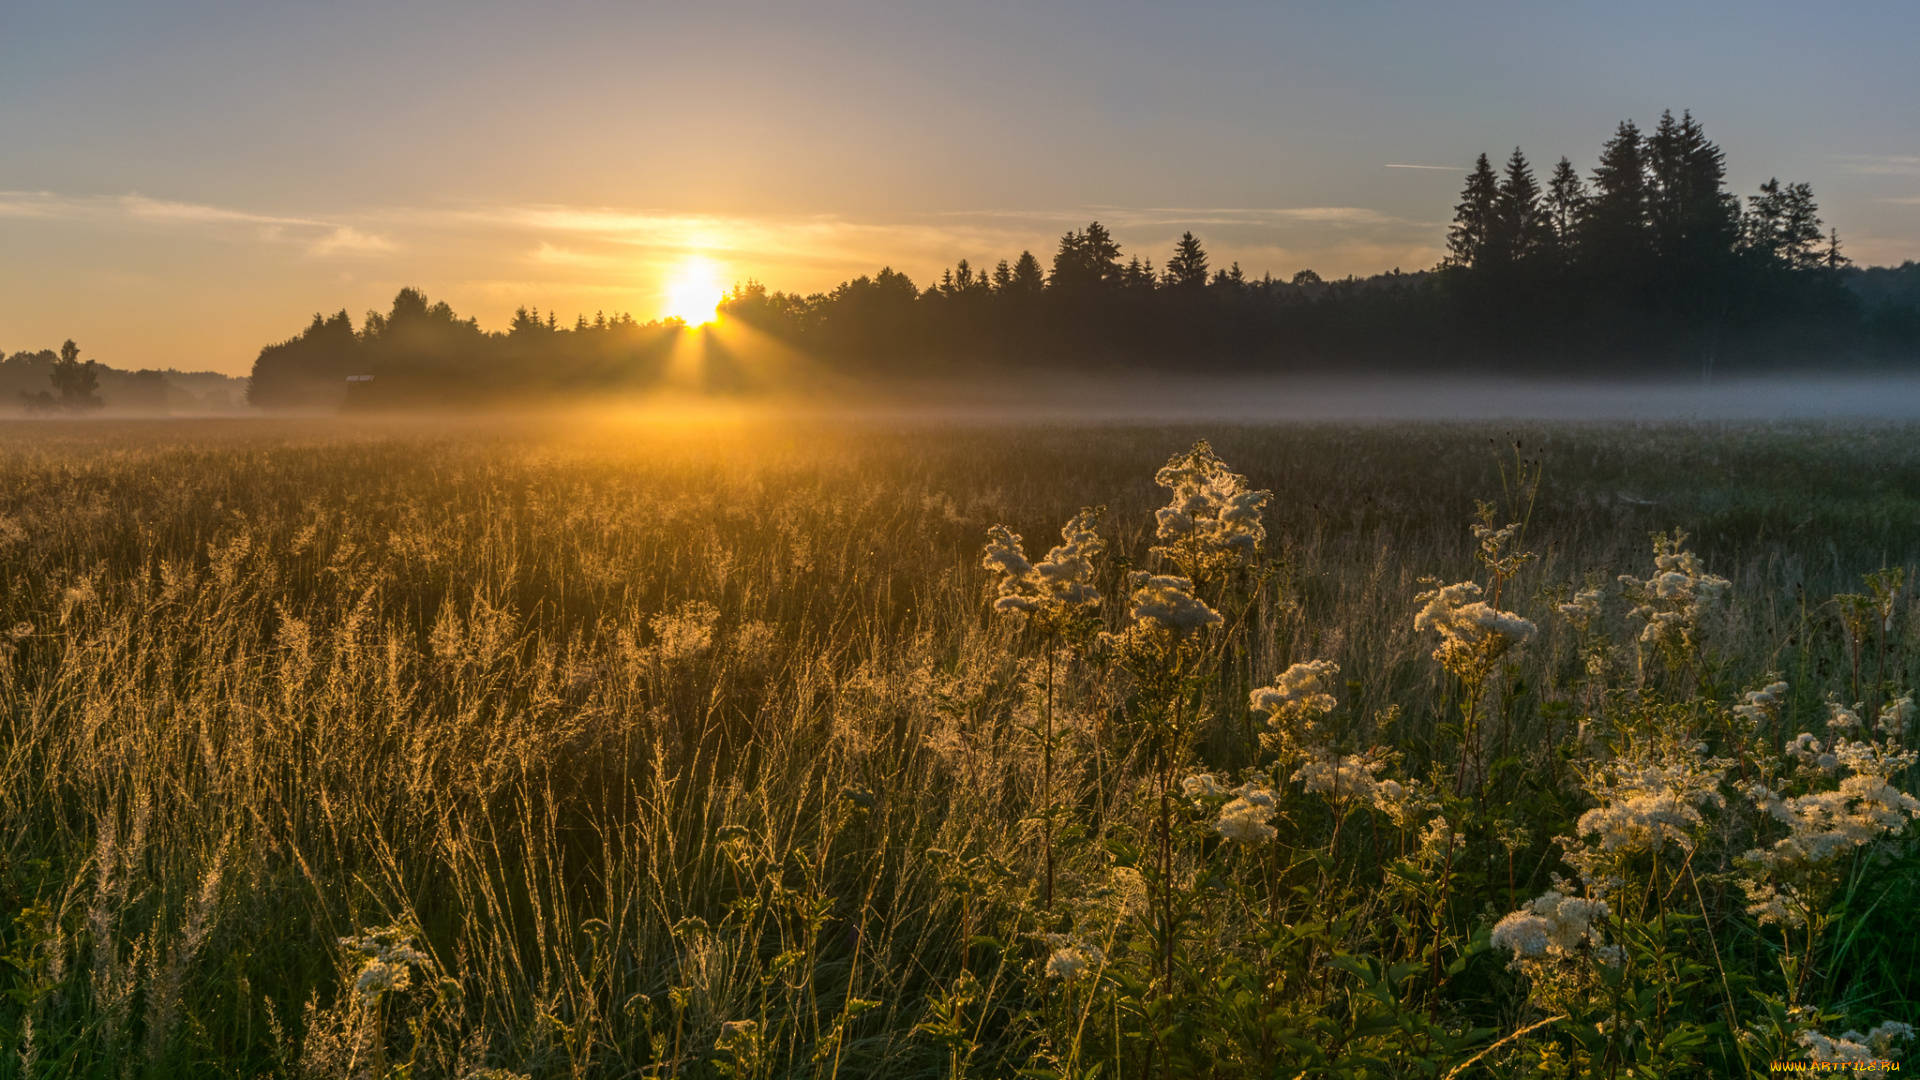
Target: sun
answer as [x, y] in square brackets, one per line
[695, 292]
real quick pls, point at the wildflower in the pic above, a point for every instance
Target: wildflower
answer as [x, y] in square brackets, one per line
[1583, 609]
[1245, 818]
[387, 959]
[1779, 905]
[1066, 574]
[1550, 924]
[1674, 598]
[1298, 692]
[1761, 705]
[1894, 715]
[1063, 579]
[1213, 520]
[1168, 603]
[1522, 933]
[1202, 786]
[1473, 634]
[1826, 824]
[1350, 778]
[1841, 718]
[1645, 806]
[1852, 1047]
[1073, 959]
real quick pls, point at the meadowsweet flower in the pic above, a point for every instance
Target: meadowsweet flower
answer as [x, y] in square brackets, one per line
[1167, 602]
[387, 958]
[1841, 718]
[1203, 786]
[1245, 818]
[1552, 924]
[1064, 579]
[1583, 609]
[1762, 705]
[1073, 959]
[1213, 520]
[1297, 693]
[1674, 598]
[1473, 634]
[1522, 933]
[1349, 779]
[1643, 807]
[1823, 825]
[1894, 716]
[1854, 1048]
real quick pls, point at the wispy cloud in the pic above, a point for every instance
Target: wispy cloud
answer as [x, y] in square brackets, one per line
[1907, 200]
[1435, 168]
[317, 237]
[1881, 164]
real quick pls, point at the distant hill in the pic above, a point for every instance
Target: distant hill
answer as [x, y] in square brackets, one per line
[146, 392]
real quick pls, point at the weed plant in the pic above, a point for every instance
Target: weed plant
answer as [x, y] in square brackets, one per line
[756, 749]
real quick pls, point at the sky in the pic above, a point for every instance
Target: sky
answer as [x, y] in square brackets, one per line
[184, 181]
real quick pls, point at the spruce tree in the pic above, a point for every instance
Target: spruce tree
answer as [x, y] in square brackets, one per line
[1517, 228]
[1782, 226]
[1188, 267]
[1612, 222]
[1695, 220]
[1027, 279]
[1566, 197]
[1473, 217]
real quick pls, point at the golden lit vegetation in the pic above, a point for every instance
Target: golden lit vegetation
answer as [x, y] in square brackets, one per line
[772, 750]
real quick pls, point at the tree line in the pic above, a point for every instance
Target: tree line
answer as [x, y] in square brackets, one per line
[1647, 265]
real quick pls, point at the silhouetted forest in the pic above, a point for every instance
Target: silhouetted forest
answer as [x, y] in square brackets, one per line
[1649, 265]
[45, 382]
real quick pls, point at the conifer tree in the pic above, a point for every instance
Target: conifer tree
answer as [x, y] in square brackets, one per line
[1612, 222]
[1566, 197]
[1027, 278]
[1188, 267]
[1695, 220]
[1086, 260]
[1782, 226]
[1473, 217]
[1517, 228]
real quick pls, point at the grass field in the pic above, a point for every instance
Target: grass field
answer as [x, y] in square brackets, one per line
[616, 748]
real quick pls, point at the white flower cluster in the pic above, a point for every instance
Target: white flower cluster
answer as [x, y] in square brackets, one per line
[1583, 609]
[1762, 705]
[1825, 824]
[1204, 786]
[1672, 600]
[1064, 577]
[387, 958]
[1853, 1048]
[1646, 805]
[1212, 516]
[1551, 925]
[1300, 692]
[1073, 958]
[1473, 634]
[1245, 818]
[1167, 602]
[1352, 778]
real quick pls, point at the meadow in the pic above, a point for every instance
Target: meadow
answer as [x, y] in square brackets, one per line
[620, 747]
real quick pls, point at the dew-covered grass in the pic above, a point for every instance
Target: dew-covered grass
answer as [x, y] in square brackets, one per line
[622, 748]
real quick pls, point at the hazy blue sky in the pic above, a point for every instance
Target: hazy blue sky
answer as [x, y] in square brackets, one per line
[182, 181]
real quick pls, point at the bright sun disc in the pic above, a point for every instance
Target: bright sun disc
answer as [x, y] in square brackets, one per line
[695, 293]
